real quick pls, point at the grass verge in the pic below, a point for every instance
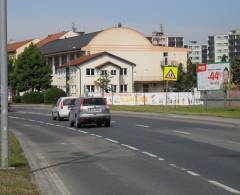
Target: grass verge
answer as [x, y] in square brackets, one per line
[18, 180]
[186, 110]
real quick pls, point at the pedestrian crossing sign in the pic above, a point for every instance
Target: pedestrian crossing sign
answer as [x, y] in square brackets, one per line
[170, 73]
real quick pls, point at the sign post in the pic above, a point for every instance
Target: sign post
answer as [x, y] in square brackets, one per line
[4, 82]
[170, 73]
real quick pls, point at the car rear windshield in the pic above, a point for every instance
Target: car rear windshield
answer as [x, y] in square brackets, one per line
[69, 102]
[94, 101]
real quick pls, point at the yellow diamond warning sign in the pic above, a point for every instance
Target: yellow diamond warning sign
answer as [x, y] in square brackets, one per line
[170, 73]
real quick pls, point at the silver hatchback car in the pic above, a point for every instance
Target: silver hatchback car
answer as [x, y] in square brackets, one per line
[89, 110]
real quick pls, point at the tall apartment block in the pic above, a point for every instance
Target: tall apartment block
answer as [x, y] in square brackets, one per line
[234, 44]
[218, 46]
[160, 39]
[198, 53]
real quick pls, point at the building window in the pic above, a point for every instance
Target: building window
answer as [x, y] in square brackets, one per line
[90, 88]
[123, 88]
[72, 56]
[56, 60]
[90, 71]
[114, 88]
[103, 72]
[113, 72]
[64, 59]
[123, 71]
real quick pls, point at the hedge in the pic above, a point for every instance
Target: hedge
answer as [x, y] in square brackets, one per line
[32, 98]
[51, 95]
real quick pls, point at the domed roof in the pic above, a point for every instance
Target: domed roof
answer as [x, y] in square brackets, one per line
[120, 36]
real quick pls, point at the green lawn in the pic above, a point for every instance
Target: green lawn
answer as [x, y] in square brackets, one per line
[187, 110]
[18, 180]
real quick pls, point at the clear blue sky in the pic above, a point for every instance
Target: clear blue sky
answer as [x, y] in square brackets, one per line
[193, 19]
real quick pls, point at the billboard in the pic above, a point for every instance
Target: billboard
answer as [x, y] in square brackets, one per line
[170, 73]
[213, 76]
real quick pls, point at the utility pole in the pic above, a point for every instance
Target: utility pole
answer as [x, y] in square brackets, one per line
[4, 82]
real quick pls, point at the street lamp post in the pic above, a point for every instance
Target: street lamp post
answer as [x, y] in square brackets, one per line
[4, 82]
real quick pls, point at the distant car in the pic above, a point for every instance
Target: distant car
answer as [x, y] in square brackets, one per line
[92, 110]
[62, 108]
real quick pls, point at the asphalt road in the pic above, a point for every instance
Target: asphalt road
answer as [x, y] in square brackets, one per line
[137, 155]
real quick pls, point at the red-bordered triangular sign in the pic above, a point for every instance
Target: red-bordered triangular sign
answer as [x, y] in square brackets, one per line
[170, 75]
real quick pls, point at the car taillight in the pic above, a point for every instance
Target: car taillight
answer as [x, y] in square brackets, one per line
[81, 105]
[106, 104]
[61, 105]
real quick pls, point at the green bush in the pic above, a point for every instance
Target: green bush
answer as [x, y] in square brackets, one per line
[32, 98]
[16, 99]
[52, 94]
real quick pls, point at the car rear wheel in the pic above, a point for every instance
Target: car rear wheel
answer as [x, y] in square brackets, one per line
[58, 117]
[107, 123]
[53, 117]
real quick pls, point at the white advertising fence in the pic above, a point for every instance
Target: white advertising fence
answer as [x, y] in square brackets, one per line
[170, 98]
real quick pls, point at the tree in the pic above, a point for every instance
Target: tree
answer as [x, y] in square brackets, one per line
[103, 81]
[235, 69]
[224, 58]
[191, 75]
[31, 71]
[180, 83]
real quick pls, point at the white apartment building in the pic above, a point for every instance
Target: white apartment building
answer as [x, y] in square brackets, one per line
[197, 53]
[218, 46]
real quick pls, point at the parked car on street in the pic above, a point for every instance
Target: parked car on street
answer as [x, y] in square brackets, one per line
[62, 108]
[90, 110]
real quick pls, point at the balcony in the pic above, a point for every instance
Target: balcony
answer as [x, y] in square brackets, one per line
[148, 78]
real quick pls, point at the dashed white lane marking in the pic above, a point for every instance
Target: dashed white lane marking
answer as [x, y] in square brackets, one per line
[99, 136]
[193, 173]
[130, 147]
[150, 154]
[59, 125]
[229, 189]
[92, 134]
[82, 131]
[161, 159]
[71, 128]
[173, 165]
[183, 132]
[233, 142]
[113, 121]
[111, 140]
[139, 125]
[49, 124]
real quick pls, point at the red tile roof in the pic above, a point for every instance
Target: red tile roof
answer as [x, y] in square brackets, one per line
[105, 64]
[12, 47]
[81, 60]
[50, 38]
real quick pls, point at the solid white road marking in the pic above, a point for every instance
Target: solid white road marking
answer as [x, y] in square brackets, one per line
[224, 187]
[130, 147]
[99, 136]
[111, 140]
[145, 126]
[161, 159]
[149, 154]
[182, 132]
[193, 173]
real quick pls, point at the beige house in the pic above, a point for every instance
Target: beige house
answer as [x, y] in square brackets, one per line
[16, 48]
[126, 44]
